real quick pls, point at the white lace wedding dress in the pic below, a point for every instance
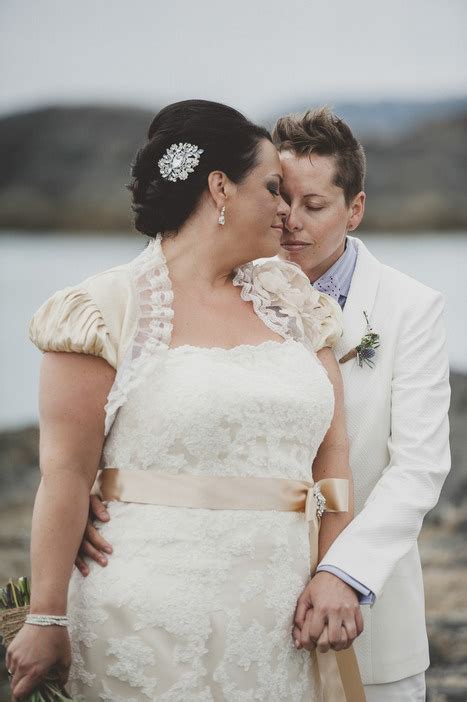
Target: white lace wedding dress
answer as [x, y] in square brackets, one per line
[197, 605]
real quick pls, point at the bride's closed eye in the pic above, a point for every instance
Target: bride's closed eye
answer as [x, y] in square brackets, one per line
[274, 189]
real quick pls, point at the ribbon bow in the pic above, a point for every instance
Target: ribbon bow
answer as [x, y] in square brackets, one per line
[327, 495]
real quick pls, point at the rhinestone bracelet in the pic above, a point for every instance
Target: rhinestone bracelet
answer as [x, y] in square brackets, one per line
[46, 620]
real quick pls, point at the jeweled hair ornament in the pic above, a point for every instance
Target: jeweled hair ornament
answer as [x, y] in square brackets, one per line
[179, 161]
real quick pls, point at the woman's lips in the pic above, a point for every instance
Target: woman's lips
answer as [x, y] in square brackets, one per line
[294, 246]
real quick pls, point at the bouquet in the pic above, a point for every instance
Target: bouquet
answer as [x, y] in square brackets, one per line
[14, 606]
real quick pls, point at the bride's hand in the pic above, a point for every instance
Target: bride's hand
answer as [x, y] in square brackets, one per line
[35, 653]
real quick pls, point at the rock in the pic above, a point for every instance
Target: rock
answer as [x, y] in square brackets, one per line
[19, 465]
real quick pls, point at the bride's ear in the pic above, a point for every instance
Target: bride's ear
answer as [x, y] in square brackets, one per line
[220, 187]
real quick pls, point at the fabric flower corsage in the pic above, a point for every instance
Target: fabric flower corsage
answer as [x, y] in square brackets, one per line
[307, 313]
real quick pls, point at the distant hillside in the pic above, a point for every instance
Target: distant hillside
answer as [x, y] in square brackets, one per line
[66, 168]
[418, 181]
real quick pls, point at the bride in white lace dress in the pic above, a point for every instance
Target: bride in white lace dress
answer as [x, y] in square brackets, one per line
[215, 404]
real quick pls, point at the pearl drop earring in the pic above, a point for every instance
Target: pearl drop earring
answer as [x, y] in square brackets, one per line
[221, 219]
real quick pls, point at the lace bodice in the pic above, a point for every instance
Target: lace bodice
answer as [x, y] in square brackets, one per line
[252, 410]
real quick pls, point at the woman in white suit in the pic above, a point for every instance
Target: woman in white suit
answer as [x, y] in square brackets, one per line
[396, 397]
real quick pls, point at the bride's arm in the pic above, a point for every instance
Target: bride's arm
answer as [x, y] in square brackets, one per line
[73, 393]
[328, 612]
[332, 459]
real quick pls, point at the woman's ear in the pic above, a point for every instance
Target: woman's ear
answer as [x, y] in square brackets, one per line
[357, 210]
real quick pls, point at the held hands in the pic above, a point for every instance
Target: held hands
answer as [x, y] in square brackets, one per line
[34, 654]
[93, 544]
[327, 615]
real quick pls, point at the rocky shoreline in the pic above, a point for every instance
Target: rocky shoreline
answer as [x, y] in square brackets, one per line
[442, 546]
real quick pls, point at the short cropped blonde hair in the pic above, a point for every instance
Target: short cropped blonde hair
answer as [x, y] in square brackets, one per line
[320, 131]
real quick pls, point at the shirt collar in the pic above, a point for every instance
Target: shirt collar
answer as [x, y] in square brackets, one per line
[337, 279]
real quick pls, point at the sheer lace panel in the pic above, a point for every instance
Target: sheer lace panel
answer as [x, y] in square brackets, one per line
[154, 328]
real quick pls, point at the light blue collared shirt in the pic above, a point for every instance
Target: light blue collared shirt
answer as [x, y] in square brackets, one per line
[337, 279]
[336, 283]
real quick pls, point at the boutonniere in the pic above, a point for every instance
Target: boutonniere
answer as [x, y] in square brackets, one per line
[365, 351]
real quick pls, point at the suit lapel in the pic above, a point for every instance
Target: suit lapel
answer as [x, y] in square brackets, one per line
[361, 297]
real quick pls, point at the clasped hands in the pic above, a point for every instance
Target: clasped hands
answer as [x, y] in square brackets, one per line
[327, 615]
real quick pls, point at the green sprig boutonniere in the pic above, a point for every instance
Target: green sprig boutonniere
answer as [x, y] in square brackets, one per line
[365, 351]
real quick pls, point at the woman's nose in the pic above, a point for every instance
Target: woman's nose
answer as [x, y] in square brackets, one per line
[291, 222]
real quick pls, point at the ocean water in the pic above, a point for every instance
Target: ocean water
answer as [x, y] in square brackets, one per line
[34, 265]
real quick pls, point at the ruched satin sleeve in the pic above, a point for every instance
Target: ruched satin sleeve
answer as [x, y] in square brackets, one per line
[71, 321]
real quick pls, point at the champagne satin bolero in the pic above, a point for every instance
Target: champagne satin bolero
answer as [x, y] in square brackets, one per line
[101, 316]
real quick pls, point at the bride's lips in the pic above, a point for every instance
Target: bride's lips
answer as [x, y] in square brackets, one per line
[294, 246]
[277, 226]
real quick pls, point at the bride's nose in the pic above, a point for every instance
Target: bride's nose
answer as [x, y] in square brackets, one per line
[283, 209]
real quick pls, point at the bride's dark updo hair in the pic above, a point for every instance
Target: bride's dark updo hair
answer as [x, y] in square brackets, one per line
[230, 142]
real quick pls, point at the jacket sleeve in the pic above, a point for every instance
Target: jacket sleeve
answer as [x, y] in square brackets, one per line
[390, 521]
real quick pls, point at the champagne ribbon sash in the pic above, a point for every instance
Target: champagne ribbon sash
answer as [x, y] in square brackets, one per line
[339, 671]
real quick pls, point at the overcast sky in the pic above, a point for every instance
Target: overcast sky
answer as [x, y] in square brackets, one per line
[253, 54]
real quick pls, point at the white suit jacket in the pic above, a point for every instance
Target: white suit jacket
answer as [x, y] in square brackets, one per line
[399, 454]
